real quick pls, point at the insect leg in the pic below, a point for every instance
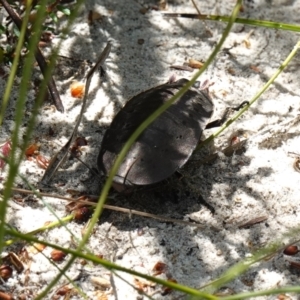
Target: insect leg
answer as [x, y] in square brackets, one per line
[225, 115]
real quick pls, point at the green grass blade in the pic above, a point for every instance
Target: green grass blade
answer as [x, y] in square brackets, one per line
[111, 266]
[14, 66]
[251, 22]
[19, 114]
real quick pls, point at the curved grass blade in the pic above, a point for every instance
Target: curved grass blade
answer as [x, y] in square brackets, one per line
[251, 22]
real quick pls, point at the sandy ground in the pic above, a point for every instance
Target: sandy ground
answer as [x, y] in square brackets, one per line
[259, 181]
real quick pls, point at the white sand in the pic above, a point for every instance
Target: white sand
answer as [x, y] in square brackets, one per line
[260, 182]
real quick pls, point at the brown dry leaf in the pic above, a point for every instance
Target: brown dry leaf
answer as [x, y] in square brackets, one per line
[196, 64]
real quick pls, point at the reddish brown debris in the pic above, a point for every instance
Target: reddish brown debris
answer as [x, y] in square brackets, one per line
[80, 142]
[58, 255]
[14, 260]
[42, 161]
[76, 148]
[77, 89]
[82, 214]
[159, 268]
[4, 151]
[63, 291]
[234, 140]
[5, 272]
[291, 250]
[32, 150]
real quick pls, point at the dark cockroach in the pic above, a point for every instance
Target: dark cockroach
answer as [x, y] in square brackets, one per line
[166, 144]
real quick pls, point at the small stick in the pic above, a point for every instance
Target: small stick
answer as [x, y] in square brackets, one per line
[61, 155]
[196, 7]
[253, 222]
[183, 68]
[114, 208]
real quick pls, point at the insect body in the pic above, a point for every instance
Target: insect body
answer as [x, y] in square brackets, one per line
[165, 145]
